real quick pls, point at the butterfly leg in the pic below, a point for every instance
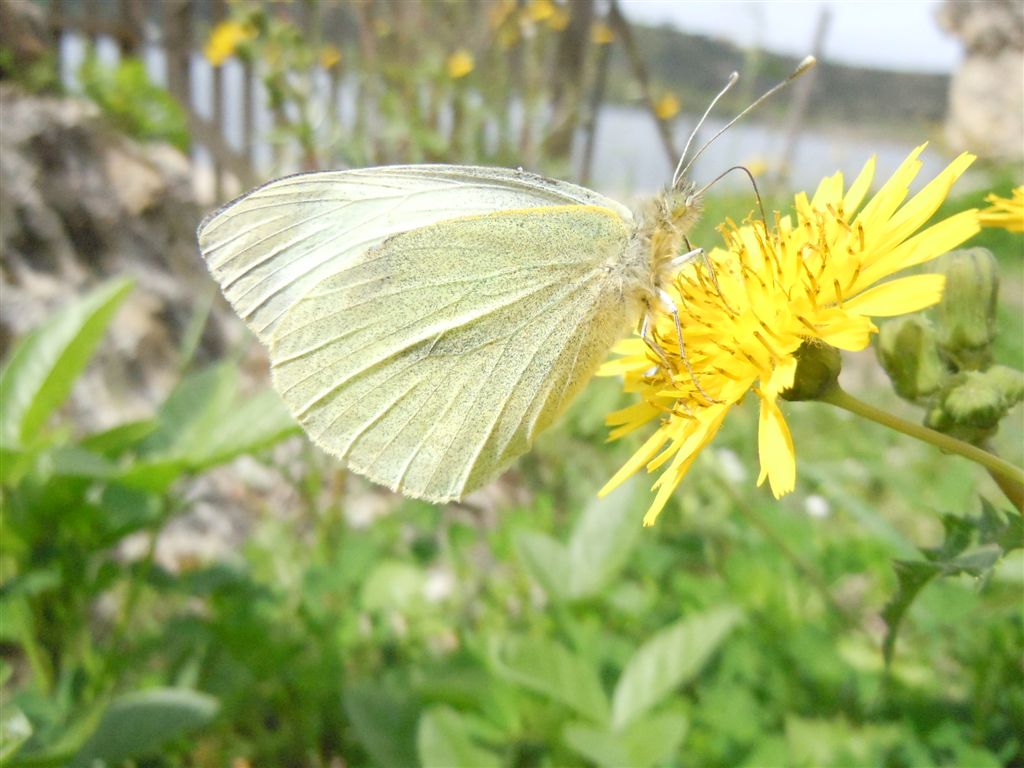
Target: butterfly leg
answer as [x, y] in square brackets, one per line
[686, 258]
[670, 305]
[648, 337]
[652, 344]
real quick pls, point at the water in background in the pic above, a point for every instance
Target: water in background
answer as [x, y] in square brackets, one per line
[629, 160]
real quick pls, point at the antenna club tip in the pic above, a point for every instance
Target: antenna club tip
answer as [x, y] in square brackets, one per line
[734, 77]
[807, 63]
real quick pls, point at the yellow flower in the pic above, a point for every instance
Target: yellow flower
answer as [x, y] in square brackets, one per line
[1006, 213]
[500, 12]
[460, 64]
[540, 10]
[224, 40]
[329, 56]
[601, 33]
[667, 106]
[771, 291]
[757, 166]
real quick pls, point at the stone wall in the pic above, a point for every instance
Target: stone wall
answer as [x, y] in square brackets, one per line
[81, 203]
[986, 98]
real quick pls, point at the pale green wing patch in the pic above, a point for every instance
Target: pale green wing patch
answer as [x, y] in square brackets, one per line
[434, 360]
[267, 248]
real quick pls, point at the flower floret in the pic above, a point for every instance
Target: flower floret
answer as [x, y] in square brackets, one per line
[746, 311]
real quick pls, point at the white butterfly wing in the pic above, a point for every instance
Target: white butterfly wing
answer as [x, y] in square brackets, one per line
[433, 360]
[268, 248]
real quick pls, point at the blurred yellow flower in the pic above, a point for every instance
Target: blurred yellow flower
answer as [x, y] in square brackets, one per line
[772, 291]
[329, 56]
[460, 64]
[540, 10]
[500, 12]
[601, 33]
[757, 166]
[667, 106]
[224, 40]
[1003, 212]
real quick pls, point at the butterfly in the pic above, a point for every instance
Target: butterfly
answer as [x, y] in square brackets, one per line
[426, 322]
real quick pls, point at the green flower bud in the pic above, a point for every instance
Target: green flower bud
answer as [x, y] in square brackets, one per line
[1009, 383]
[908, 352]
[967, 313]
[817, 371]
[974, 402]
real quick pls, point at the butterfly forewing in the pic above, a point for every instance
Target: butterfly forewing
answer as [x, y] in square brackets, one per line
[429, 362]
[270, 247]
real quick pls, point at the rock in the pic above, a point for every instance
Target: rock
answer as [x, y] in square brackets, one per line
[986, 97]
[81, 203]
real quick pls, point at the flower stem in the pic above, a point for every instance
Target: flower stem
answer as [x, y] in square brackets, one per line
[1003, 471]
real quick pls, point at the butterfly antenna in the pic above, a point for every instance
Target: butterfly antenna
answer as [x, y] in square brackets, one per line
[801, 68]
[693, 134]
[723, 174]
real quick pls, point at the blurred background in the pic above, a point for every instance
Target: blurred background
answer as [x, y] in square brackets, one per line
[187, 582]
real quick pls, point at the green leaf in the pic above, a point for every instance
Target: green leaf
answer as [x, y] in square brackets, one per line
[669, 659]
[190, 417]
[384, 721]
[255, 423]
[393, 585]
[42, 369]
[443, 740]
[116, 440]
[140, 723]
[548, 668]
[15, 730]
[155, 475]
[971, 546]
[547, 562]
[206, 422]
[602, 540]
[72, 461]
[911, 577]
[654, 740]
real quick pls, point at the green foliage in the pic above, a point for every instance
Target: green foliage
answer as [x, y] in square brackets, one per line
[39, 75]
[972, 547]
[134, 103]
[68, 504]
[351, 625]
[139, 724]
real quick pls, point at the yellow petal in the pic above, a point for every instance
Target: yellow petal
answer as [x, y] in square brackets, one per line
[637, 460]
[619, 365]
[859, 188]
[782, 377]
[853, 334]
[898, 297]
[881, 207]
[634, 412]
[775, 449]
[926, 202]
[924, 246]
[828, 191]
[671, 477]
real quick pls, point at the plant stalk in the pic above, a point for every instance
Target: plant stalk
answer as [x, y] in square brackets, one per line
[1009, 478]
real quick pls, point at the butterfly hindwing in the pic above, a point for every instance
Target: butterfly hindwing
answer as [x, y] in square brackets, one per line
[432, 360]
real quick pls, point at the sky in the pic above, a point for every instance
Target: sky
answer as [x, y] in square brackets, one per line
[901, 35]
